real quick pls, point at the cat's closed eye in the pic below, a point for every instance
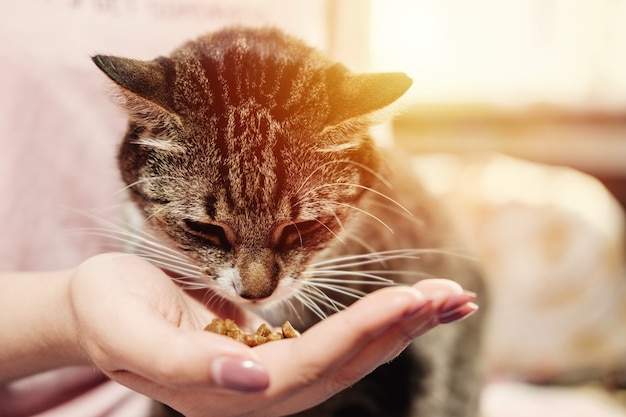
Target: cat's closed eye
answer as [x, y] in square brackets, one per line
[213, 234]
[294, 234]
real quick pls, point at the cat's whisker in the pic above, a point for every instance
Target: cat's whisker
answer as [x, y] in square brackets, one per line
[374, 257]
[110, 210]
[376, 280]
[367, 213]
[160, 144]
[340, 289]
[211, 298]
[363, 187]
[396, 210]
[320, 298]
[311, 305]
[359, 240]
[377, 274]
[187, 269]
[188, 283]
[371, 171]
[318, 274]
[311, 175]
[292, 307]
[133, 240]
[299, 234]
[288, 309]
[337, 219]
[316, 299]
[363, 262]
[141, 181]
[208, 298]
[330, 230]
[143, 244]
[315, 291]
[154, 255]
[154, 214]
[123, 228]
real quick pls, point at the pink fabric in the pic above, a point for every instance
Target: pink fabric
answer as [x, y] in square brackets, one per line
[71, 391]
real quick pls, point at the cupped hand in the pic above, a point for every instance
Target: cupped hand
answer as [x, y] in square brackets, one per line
[144, 331]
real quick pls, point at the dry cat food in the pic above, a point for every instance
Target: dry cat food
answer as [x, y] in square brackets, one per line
[262, 335]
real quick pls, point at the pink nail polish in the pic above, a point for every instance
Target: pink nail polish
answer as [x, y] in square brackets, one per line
[456, 301]
[240, 374]
[461, 312]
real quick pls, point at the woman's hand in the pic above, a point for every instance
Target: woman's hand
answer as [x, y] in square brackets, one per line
[133, 322]
[143, 331]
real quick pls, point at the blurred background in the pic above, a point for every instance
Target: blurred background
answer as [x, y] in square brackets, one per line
[539, 79]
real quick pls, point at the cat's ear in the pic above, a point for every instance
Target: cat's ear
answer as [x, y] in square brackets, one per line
[145, 80]
[352, 95]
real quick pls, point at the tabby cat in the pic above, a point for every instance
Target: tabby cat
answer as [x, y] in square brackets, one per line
[248, 155]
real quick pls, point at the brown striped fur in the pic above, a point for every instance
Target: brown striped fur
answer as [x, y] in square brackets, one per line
[248, 154]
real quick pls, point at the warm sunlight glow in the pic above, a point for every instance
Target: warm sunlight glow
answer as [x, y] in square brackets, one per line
[510, 53]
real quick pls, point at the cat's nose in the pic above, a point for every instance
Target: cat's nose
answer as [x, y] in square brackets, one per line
[256, 289]
[254, 297]
[258, 276]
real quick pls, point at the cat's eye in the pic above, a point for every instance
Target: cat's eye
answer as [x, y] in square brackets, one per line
[295, 233]
[211, 233]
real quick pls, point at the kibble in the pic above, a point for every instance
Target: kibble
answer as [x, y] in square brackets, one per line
[262, 335]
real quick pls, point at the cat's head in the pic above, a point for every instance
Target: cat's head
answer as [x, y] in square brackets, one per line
[248, 151]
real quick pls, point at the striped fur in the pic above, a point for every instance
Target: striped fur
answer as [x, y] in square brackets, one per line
[248, 153]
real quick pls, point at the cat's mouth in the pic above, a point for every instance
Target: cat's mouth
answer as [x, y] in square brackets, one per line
[228, 286]
[280, 294]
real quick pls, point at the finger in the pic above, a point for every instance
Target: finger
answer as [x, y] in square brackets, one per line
[388, 344]
[450, 300]
[438, 289]
[398, 336]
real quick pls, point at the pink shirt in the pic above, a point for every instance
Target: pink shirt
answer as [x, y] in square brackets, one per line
[79, 391]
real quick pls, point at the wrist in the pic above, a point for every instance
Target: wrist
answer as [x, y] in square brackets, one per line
[40, 332]
[64, 336]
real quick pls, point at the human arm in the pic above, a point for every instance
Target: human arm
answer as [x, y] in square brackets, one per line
[36, 324]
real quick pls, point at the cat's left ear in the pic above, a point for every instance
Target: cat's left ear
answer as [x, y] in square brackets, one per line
[352, 95]
[147, 80]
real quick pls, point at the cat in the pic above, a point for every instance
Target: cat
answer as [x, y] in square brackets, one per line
[248, 156]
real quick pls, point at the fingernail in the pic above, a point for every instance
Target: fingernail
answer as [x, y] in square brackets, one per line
[461, 312]
[240, 374]
[456, 301]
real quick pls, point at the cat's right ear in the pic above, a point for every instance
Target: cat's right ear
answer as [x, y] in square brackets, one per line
[149, 81]
[352, 95]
